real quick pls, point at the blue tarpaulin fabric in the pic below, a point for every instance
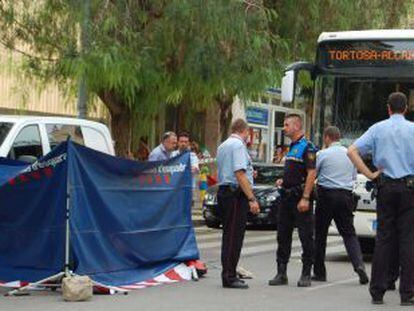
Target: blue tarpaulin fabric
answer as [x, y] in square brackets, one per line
[32, 218]
[129, 221]
[10, 168]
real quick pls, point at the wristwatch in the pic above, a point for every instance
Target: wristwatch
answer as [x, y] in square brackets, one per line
[305, 198]
[253, 199]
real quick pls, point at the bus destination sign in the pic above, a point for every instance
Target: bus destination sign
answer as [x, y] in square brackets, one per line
[343, 54]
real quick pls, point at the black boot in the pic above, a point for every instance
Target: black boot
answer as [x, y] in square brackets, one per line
[363, 277]
[281, 276]
[305, 278]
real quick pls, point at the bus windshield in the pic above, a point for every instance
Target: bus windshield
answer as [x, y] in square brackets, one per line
[354, 104]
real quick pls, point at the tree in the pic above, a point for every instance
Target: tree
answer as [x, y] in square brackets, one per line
[144, 54]
[298, 23]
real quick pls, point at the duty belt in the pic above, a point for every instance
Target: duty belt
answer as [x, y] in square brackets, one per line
[230, 187]
[407, 180]
[397, 180]
[383, 179]
[294, 191]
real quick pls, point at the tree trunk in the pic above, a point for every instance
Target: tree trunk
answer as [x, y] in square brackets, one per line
[121, 132]
[225, 103]
[120, 123]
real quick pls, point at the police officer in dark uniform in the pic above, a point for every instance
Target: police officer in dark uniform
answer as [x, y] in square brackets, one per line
[296, 209]
[235, 198]
[391, 144]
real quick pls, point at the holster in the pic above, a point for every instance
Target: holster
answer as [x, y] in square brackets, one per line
[292, 192]
[374, 185]
[355, 199]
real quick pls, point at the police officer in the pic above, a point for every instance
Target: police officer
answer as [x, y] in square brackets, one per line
[235, 198]
[336, 176]
[391, 144]
[296, 208]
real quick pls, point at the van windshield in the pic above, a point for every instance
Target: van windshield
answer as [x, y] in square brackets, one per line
[4, 130]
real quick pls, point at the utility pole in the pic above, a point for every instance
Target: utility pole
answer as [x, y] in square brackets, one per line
[84, 42]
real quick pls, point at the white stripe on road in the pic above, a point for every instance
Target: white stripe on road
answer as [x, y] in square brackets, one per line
[332, 284]
[210, 236]
[247, 251]
[208, 245]
[330, 250]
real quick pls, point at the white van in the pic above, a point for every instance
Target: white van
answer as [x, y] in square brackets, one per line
[28, 138]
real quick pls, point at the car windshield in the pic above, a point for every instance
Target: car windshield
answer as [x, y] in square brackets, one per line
[4, 130]
[267, 174]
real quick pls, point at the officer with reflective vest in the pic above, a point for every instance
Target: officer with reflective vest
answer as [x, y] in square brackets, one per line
[391, 144]
[296, 208]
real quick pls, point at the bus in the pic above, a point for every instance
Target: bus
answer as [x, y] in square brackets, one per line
[352, 76]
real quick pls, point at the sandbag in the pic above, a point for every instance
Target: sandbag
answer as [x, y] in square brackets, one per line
[77, 288]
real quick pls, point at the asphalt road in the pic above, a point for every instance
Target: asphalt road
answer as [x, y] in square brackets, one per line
[341, 292]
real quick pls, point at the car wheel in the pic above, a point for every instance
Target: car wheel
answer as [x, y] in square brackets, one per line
[212, 224]
[367, 245]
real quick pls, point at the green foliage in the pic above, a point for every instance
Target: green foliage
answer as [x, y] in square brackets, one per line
[145, 53]
[299, 23]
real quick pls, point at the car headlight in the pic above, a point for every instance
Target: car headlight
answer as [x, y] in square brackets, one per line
[270, 198]
[210, 199]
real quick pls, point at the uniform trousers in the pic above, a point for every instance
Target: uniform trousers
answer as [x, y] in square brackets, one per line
[233, 207]
[288, 218]
[337, 205]
[395, 215]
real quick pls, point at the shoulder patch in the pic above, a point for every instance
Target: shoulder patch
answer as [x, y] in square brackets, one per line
[311, 156]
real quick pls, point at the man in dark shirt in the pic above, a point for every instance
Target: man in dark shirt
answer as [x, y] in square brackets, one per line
[296, 209]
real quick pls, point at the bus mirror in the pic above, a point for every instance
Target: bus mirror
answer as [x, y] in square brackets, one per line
[288, 86]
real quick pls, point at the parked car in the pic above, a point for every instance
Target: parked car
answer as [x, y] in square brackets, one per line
[28, 138]
[265, 192]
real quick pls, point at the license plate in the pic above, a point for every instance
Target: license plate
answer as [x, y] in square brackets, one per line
[374, 225]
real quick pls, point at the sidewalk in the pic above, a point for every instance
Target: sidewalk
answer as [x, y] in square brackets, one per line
[198, 220]
[196, 214]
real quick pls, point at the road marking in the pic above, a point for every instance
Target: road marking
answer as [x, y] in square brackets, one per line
[332, 284]
[208, 245]
[211, 236]
[252, 250]
[330, 250]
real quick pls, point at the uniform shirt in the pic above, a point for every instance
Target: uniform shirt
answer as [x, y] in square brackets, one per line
[159, 154]
[232, 156]
[335, 170]
[391, 144]
[300, 157]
